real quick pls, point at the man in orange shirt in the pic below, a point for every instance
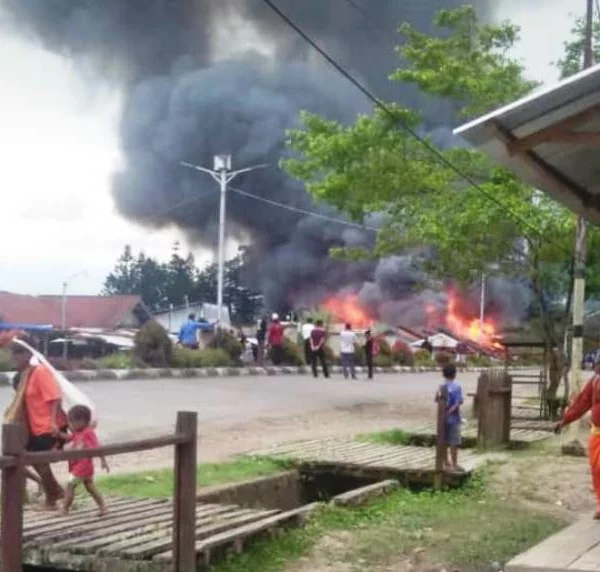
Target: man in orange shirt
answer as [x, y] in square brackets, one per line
[588, 400]
[38, 405]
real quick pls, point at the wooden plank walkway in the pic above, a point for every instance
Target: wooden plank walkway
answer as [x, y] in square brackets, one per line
[521, 434]
[137, 534]
[410, 465]
[574, 549]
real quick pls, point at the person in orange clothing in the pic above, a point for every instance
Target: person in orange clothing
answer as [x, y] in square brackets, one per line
[588, 400]
[37, 404]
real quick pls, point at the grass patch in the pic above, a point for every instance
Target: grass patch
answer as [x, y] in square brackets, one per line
[467, 529]
[159, 484]
[391, 437]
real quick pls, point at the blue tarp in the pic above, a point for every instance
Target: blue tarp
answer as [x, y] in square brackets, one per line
[25, 327]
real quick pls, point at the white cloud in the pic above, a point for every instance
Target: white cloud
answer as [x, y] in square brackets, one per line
[58, 149]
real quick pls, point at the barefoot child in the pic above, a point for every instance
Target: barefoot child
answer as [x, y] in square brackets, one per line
[453, 420]
[82, 470]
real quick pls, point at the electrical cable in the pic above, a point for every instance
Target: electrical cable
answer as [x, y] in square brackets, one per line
[378, 103]
[301, 211]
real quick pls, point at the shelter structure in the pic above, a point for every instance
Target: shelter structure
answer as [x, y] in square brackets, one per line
[550, 139]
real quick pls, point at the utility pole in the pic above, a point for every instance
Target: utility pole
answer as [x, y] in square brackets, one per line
[63, 311]
[223, 175]
[580, 259]
[482, 304]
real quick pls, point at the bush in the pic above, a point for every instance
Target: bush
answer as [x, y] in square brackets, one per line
[153, 346]
[402, 354]
[360, 357]
[5, 361]
[478, 361]
[332, 359]
[443, 358]
[186, 358]
[226, 341]
[384, 347]
[293, 354]
[422, 358]
[382, 360]
[117, 360]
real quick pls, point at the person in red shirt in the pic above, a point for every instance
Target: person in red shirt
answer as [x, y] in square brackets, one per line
[275, 338]
[81, 471]
[588, 400]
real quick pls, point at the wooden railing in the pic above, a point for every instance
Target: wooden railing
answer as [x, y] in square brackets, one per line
[15, 458]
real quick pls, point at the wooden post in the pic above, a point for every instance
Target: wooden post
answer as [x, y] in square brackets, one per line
[494, 394]
[13, 490]
[440, 449]
[184, 510]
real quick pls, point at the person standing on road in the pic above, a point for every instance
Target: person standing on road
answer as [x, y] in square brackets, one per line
[307, 329]
[261, 339]
[347, 349]
[275, 339]
[188, 333]
[37, 405]
[318, 337]
[369, 352]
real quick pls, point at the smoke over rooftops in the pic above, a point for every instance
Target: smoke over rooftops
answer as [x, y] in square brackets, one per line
[183, 102]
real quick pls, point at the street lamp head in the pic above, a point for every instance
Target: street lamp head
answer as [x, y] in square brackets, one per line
[222, 163]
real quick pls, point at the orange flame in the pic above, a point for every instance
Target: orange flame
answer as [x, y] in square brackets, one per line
[484, 333]
[348, 309]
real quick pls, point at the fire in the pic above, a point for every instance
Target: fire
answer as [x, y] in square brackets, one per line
[470, 328]
[348, 309]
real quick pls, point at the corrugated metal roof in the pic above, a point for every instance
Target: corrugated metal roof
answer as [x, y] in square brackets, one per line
[551, 140]
[105, 312]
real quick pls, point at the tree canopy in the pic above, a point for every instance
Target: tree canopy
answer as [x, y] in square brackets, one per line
[180, 280]
[472, 215]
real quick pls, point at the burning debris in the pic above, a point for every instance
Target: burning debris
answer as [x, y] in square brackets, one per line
[449, 317]
[189, 95]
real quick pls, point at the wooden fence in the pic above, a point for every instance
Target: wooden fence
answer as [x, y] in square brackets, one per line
[15, 458]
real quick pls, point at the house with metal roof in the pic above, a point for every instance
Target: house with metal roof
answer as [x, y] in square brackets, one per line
[98, 312]
[551, 140]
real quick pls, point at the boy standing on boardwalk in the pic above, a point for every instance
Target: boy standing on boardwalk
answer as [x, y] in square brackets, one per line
[453, 420]
[81, 471]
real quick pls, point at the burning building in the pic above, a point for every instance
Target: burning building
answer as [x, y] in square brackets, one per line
[205, 77]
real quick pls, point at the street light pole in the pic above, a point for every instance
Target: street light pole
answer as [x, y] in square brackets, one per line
[221, 267]
[63, 320]
[63, 312]
[223, 175]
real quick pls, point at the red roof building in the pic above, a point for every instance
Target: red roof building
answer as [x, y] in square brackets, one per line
[101, 312]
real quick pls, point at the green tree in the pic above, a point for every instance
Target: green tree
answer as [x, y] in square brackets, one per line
[181, 277]
[124, 278]
[572, 62]
[375, 165]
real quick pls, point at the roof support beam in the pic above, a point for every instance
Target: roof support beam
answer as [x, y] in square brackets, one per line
[545, 171]
[559, 129]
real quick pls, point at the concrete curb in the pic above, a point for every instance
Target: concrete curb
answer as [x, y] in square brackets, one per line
[82, 376]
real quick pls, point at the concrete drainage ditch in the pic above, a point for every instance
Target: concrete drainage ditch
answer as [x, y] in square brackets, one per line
[239, 513]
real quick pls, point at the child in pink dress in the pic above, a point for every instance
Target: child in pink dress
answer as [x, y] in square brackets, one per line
[81, 471]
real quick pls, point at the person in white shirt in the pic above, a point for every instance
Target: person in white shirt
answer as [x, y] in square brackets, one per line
[347, 349]
[307, 329]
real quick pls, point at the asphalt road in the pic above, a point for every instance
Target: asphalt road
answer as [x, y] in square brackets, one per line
[131, 409]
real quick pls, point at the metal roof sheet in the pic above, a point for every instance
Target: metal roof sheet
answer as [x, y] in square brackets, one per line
[550, 139]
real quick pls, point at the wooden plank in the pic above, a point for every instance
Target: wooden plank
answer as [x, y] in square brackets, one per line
[92, 537]
[155, 547]
[184, 513]
[72, 522]
[559, 551]
[589, 560]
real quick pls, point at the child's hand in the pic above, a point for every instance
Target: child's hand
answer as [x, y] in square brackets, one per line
[105, 466]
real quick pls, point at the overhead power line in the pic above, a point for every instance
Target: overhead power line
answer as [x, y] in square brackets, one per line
[378, 103]
[301, 211]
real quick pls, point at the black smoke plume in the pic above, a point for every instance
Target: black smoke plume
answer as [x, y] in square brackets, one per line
[183, 102]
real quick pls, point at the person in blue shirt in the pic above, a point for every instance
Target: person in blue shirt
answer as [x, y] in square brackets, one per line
[453, 419]
[188, 333]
